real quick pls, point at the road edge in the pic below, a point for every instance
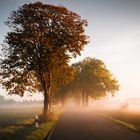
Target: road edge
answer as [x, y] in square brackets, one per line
[48, 137]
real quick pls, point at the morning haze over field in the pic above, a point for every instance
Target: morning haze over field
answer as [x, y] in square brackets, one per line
[69, 69]
[113, 27]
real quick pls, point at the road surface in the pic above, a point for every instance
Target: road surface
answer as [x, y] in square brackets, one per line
[87, 125]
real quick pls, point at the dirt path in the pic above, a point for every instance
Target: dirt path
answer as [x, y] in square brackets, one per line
[86, 125]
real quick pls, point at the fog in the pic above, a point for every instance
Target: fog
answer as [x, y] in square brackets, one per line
[107, 103]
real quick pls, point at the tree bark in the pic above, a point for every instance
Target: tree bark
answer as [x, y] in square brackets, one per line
[45, 109]
[62, 101]
[49, 98]
[46, 100]
[49, 92]
[83, 99]
[86, 100]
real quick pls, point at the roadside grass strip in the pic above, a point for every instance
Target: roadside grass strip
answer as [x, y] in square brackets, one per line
[43, 130]
[25, 129]
[128, 125]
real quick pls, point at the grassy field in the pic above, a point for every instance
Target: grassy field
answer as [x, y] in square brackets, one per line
[128, 119]
[18, 124]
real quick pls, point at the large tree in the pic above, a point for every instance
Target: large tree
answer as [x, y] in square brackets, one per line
[42, 38]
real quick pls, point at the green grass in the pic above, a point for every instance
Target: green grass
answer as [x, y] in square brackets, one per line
[20, 125]
[42, 131]
[17, 116]
[16, 131]
[10, 129]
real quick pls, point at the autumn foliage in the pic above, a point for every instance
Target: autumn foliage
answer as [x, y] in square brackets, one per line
[36, 54]
[42, 38]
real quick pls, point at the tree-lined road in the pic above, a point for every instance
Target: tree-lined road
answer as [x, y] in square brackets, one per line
[86, 125]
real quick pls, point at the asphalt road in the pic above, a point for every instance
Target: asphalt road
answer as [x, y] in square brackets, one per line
[87, 125]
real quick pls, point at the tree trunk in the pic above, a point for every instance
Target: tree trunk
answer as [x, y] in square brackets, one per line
[83, 99]
[86, 100]
[62, 101]
[46, 100]
[49, 99]
[45, 109]
[77, 101]
[49, 92]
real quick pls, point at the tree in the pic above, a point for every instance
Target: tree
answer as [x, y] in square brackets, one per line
[42, 38]
[62, 78]
[93, 79]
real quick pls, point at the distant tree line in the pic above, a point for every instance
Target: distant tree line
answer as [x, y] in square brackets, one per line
[6, 101]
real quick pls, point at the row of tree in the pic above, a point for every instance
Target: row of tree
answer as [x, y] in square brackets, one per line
[88, 78]
[36, 51]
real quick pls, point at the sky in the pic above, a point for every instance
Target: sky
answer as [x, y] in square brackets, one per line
[114, 31]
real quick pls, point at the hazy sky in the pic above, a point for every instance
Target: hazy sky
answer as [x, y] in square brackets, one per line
[114, 30]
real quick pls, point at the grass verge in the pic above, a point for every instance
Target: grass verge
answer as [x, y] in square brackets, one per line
[42, 131]
[22, 126]
[131, 126]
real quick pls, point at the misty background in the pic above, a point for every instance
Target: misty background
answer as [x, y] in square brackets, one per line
[114, 30]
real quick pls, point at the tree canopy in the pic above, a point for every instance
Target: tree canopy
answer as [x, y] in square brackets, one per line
[42, 39]
[92, 79]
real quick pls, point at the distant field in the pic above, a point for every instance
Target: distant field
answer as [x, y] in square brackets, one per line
[17, 123]
[129, 119]
[14, 116]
